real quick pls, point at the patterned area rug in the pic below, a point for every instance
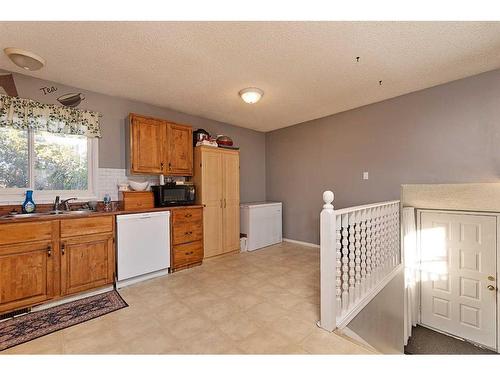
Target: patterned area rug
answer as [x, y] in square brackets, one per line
[33, 325]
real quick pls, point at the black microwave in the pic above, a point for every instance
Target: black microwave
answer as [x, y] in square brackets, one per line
[173, 195]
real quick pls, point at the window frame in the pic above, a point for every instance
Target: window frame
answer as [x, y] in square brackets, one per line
[17, 195]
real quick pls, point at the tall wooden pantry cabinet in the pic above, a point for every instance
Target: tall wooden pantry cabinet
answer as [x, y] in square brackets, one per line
[217, 181]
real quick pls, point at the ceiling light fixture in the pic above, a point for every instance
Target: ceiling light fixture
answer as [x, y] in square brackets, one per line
[24, 59]
[251, 95]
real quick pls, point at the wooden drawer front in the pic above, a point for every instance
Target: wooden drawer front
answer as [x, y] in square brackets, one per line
[187, 215]
[187, 253]
[136, 200]
[83, 226]
[188, 232]
[25, 232]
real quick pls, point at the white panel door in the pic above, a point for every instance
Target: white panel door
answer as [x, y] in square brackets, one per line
[458, 263]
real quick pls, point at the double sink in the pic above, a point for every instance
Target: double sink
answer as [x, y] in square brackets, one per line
[48, 213]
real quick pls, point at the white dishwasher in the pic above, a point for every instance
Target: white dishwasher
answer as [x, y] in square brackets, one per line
[143, 242]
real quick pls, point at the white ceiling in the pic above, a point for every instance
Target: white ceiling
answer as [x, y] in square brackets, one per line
[306, 69]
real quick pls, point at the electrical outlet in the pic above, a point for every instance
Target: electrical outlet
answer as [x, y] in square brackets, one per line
[365, 175]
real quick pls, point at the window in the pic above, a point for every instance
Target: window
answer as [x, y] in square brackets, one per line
[49, 163]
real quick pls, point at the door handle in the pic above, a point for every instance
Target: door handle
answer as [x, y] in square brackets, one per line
[63, 249]
[49, 250]
[491, 287]
[225, 203]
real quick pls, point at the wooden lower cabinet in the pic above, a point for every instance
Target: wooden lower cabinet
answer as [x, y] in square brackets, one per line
[45, 260]
[187, 254]
[187, 238]
[87, 262]
[27, 274]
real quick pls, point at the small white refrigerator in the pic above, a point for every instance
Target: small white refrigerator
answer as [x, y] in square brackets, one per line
[261, 224]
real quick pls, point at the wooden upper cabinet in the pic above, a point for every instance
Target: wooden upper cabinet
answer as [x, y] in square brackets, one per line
[160, 147]
[180, 150]
[147, 145]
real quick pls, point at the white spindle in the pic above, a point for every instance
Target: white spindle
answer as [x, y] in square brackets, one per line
[369, 253]
[377, 245]
[352, 261]
[328, 315]
[359, 247]
[345, 263]
[357, 253]
[338, 265]
[363, 251]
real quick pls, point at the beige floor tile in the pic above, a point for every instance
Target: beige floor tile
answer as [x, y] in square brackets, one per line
[265, 312]
[200, 300]
[211, 341]
[261, 302]
[173, 312]
[322, 342]
[219, 310]
[264, 341]
[189, 327]
[293, 329]
[50, 344]
[246, 300]
[238, 326]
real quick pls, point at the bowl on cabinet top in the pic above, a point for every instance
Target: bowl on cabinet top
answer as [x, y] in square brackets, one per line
[224, 140]
[138, 185]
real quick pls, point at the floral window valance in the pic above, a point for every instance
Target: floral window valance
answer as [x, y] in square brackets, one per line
[28, 114]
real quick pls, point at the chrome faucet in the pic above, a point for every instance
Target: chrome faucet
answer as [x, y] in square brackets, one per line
[55, 207]
[65, 202]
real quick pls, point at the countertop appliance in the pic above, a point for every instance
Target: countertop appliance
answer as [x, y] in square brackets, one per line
[143, 246]
[261, 223]
[173, 195]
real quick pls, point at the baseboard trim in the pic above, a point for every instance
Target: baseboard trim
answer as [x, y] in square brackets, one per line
[308, 244]
[134, 280]
[72, 298]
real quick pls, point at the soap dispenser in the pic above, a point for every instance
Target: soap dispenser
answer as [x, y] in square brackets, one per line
[29, 205]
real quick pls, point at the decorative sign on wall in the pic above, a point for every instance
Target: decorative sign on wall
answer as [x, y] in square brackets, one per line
[71, 99]
[48, 90]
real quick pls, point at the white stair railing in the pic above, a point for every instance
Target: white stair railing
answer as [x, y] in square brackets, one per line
[360, 254]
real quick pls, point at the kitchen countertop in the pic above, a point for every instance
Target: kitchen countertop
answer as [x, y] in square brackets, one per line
[4, 220]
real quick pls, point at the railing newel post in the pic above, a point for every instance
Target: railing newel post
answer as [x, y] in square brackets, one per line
[328, 264]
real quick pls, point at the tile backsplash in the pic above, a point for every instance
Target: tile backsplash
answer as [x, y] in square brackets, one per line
[107, 182]
[109, 178]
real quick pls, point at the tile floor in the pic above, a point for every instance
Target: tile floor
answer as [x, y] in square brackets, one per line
[263, 302]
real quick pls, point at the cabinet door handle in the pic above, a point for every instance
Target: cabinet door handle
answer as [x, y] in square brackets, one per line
[188, 233]
[161, 166]
[63, 249]
[225, 203]
[169, 166]
[188, 215]
[49, 250]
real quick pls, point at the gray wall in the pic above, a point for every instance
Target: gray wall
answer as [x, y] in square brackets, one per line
[446, 134]
[381, 322]
[115, 111]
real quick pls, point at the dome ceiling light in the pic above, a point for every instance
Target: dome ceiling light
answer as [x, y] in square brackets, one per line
[251, 95]
[24, 59]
